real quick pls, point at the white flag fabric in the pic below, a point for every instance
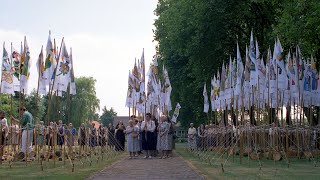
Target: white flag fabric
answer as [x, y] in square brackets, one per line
[253, 66]
[63, 70]
[206, 100]
[212, 94]
[25, 67]
[129, 99]
[176, 113]
[6, 75]
[167, 87]
[15, 58]
[73, 88]
[40, 68]
[49, 62]
[278, 55]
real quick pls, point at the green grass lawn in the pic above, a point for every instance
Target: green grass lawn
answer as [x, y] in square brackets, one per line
[249, 169]
[82, 169]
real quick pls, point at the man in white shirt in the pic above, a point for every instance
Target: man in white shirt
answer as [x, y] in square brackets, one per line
[147, 127]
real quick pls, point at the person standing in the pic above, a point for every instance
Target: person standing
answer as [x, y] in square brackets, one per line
[111, 139]
[120, 136]
[60, 133]
[70, 133]
[40, 133]
[27, 124]
[14, 128]
[132, 132]
[192, 134]
[170, 137]
[102, 139]
[147, 126]
[154, 137]
[163, 139]
[93, 134]
[50, 135]
[137, 125]
[4, 132]
[82, 138]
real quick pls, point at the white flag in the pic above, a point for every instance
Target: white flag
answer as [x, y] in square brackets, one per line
[206, 100]
[6, 76]
[176, 113]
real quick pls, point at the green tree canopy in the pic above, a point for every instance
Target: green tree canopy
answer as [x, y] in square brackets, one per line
[196, 36]
[107, 115]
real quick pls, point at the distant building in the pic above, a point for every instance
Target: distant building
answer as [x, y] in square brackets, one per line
[180, 131]
[124, 119]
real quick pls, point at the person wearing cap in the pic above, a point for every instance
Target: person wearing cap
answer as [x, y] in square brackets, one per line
[27, 124]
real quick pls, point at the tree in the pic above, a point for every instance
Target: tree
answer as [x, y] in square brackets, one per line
[77, 109]
[35, 105]
[107, 115]
[196, 37]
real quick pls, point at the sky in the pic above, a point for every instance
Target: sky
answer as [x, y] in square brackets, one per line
[105, 35]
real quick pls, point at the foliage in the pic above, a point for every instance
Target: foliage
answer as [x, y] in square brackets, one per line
[107, 116]
[77, 109]
[196, 36]
[34, 104]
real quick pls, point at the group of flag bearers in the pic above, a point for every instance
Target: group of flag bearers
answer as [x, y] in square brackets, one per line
[146, 100]
[263, 108]
[44, 140]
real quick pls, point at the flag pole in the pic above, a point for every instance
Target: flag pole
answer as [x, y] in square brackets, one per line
[51, 89]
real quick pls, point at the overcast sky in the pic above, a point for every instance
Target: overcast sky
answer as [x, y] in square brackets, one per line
[105, 36]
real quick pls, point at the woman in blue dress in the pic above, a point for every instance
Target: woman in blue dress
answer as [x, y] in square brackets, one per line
[132, 132]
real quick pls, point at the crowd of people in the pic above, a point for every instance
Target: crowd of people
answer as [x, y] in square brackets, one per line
[209, 136]
[149, 137]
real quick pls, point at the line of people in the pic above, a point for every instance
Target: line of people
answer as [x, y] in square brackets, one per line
[150, 137]
[29, 137]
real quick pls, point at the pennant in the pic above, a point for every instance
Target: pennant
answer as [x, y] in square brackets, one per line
[206, 100]
[6, 75]
[63, 70]
[25, 63]
[15, 59]
[50, 60]
[240, 70]
[41, 80]
[73, 88]
[176, 113]
[278, 55]
[129, 100]
[253, 63]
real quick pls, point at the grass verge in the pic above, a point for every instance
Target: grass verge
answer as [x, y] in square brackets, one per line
[82, 168]
[249, 169]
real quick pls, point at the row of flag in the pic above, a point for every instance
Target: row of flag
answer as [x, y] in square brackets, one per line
[55, 72]
[153, 97]
[279, 82]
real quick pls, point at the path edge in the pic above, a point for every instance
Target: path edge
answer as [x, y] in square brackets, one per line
[112, 164]
[190, 165]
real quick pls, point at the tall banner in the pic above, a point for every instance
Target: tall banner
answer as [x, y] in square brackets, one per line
[176, 113]
[206, 100]
[41, 79]
[6, 75]
[73, 88]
